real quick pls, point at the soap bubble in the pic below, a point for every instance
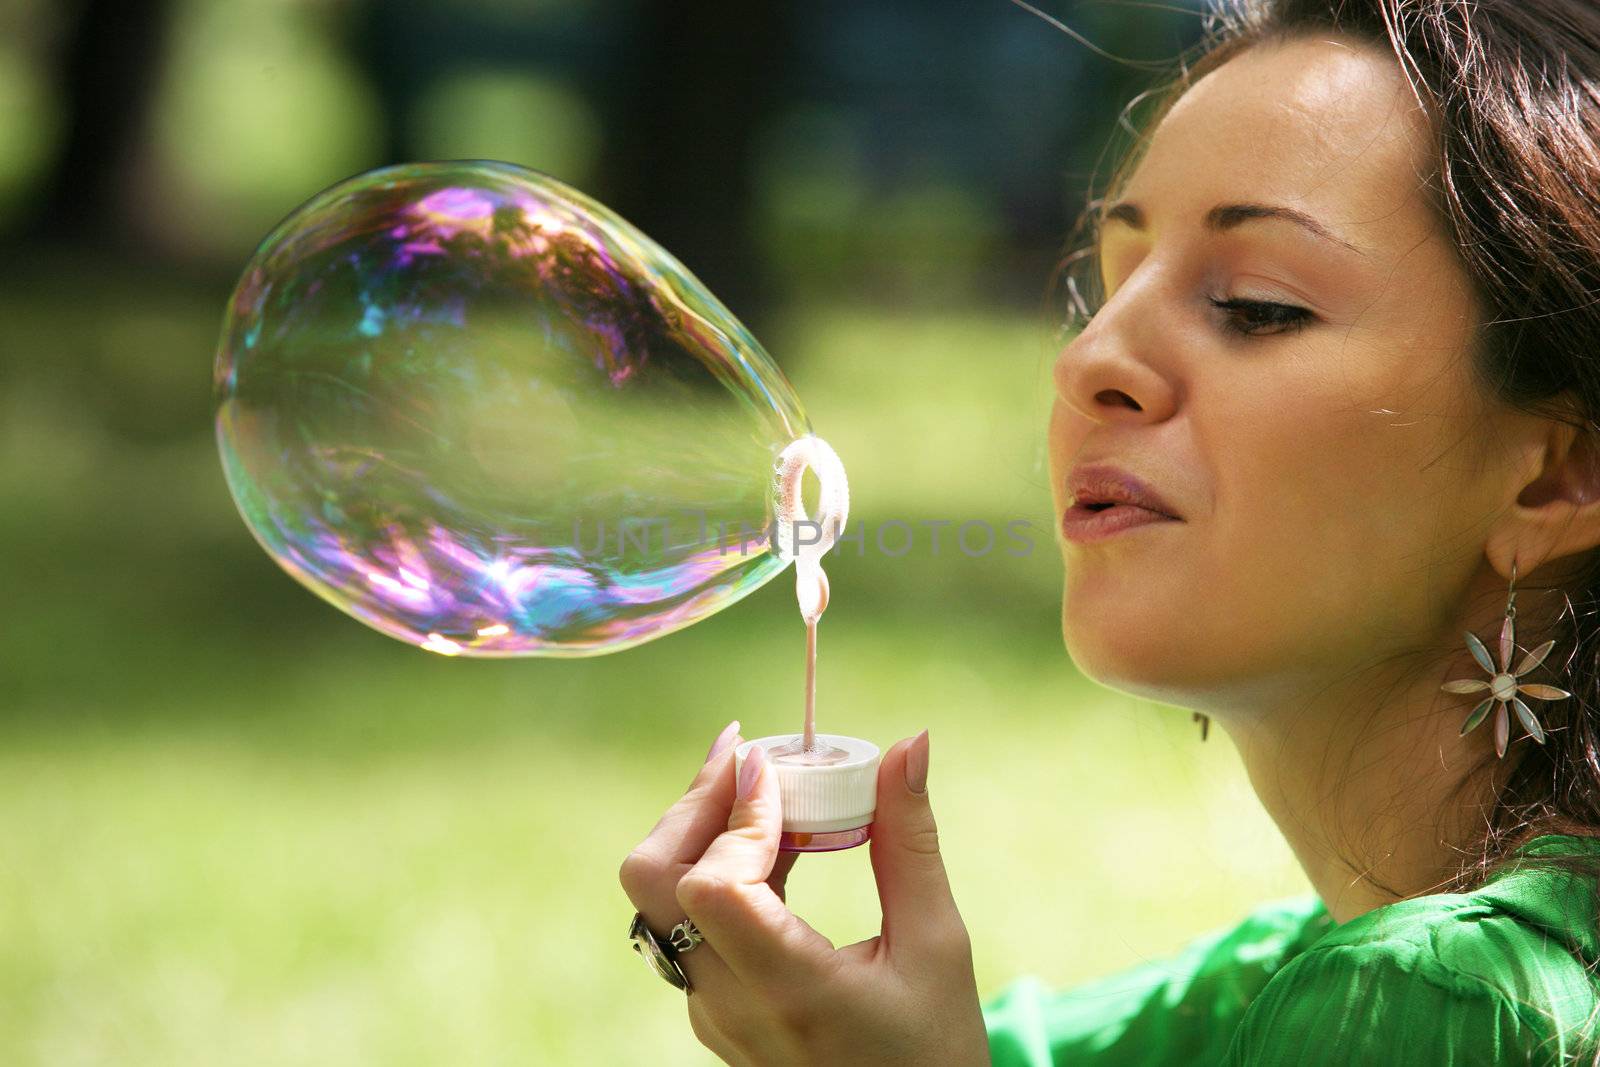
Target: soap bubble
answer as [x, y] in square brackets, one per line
[480, 412]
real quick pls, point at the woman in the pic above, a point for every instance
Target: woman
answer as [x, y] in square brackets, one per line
[1349, 344]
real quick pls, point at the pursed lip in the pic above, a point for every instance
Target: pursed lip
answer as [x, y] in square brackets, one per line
[1102, 483]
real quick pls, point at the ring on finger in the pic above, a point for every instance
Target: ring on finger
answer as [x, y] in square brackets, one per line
[662, 955]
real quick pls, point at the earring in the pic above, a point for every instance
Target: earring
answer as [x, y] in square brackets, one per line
[1205, 723]
[1502, 685]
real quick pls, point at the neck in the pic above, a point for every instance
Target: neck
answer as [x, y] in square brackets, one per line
[1381, 804]
[1371, 819]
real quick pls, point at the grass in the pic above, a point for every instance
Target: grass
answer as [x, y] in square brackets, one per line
[241, 828]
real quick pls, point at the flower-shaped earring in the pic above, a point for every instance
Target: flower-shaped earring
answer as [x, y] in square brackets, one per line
[1502, 685]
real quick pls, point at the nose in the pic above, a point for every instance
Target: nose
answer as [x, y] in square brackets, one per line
[1110, 371]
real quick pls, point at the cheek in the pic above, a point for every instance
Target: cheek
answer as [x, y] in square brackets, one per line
[1064, 437]
[1296, 515]
[1337, 503]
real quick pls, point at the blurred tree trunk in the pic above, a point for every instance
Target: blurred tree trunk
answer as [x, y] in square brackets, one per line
[110, 68]
[680, 126]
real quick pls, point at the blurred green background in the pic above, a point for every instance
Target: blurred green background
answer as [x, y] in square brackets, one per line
[238, 827]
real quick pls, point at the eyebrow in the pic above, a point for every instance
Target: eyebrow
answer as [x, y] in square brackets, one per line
[1225, 217]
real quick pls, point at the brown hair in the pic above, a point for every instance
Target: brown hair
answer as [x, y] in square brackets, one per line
[1512, 89]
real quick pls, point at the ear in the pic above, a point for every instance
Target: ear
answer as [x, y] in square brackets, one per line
[1557, 514]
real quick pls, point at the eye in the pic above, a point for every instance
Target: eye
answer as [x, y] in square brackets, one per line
[1250, 318]
[1254, 317]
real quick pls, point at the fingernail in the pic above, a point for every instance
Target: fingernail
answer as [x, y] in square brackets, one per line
[917, 764]
[727, 735]
[753, 762]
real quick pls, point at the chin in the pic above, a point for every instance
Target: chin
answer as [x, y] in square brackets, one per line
[1130, 653]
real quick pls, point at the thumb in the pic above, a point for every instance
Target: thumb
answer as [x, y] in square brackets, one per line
[919, 911]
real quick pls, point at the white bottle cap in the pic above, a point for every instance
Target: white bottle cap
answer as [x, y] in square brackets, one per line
[823, 798]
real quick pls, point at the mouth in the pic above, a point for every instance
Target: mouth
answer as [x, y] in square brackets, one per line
[1100, 487]
[1097, 520]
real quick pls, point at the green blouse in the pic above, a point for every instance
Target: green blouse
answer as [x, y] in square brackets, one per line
[1502, 975]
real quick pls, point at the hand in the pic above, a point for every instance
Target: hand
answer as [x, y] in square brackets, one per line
[769, 990]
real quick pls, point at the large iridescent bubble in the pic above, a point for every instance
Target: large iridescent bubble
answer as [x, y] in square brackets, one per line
[480, 412]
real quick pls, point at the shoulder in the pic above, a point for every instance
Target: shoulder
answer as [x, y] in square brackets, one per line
[1177, 1008]
[1269, 932]
[1448, 979]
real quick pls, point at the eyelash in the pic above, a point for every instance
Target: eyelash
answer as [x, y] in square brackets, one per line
[1265, 315]
[1258, 319]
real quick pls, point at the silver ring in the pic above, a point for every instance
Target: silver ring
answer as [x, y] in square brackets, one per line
[662, 958]
[685, 936]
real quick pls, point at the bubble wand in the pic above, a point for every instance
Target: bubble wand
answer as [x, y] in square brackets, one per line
[828, 783]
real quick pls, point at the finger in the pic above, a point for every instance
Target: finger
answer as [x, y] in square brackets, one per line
[726, 893]
[678, 839]
[708, 975]
[919, 910]
[651, 882]
[650, 873]
[681, 835]
[779, 878]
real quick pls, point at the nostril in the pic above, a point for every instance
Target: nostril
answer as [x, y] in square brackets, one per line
[1111, 396]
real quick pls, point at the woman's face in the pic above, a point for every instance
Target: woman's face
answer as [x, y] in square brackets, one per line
[1335, 469]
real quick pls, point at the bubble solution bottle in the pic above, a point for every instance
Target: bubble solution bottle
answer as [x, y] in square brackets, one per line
[828, 783]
